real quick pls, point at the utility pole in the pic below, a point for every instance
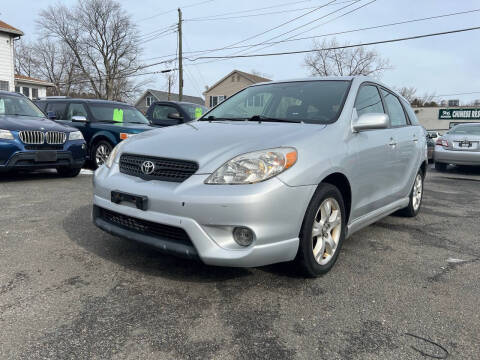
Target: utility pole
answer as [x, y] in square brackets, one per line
[180, 56]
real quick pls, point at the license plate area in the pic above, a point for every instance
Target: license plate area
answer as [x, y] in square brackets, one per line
[140, 201]
[45, 156]
[465, 144]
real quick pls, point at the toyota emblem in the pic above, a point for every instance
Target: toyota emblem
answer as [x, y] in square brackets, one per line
[148, 167]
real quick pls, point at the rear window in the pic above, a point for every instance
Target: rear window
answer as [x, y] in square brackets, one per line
[117, 113]
[465, 130]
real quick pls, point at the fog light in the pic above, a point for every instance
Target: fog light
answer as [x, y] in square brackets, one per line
[243, 236]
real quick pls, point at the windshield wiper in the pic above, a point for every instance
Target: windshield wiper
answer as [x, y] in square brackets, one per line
[261, 118]
[213, 118]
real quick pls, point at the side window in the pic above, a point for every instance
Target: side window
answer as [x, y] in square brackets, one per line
[58, 108]
[41, 104]
[76, 110]
[368, 100]
[411, 114]
[160, 112]
[395, 109]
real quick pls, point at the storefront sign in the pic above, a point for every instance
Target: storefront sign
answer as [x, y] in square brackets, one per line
[459, 114]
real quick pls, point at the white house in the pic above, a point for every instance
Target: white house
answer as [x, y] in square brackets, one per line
[9, 81]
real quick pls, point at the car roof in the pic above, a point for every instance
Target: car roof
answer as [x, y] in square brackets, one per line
[3, 92]
[177, 102]
[91, 101]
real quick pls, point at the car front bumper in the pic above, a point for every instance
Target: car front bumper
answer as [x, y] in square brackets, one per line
[15, 155]
[456, 157]
[208, 214]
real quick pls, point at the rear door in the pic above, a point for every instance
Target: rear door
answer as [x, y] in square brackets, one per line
[374, 158]
[407, 138]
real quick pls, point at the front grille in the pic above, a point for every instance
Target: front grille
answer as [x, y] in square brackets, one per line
[166, 232]
[55, 137]
[32, 137]
[172, 170]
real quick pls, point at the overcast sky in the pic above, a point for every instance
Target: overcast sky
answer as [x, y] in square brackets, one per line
[443, 65]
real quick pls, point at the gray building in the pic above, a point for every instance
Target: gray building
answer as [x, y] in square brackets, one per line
[150, 96]
[443, 118]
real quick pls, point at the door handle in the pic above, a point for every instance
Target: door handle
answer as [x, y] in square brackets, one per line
[415, 139]
[392, 142]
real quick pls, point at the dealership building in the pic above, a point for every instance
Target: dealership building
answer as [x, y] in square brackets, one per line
[443, 118]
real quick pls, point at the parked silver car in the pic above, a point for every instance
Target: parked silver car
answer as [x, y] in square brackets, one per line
[280, 171]
[459, 146]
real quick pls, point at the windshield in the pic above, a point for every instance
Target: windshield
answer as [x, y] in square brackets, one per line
[117, 113]
[465, 130]
[194, 111]
[317, 102]
[18, 105]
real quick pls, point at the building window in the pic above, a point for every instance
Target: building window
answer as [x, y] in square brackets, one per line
[26, 91]
[255, 101]
[215, 100]
[4, 85]
[34, 93]
[17, 89]
[149, 100]
[233, 78]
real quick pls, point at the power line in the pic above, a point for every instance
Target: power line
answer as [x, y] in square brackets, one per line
[212, 18]
[173, 10]
[324, 35]
[317, 19]
[467, 93]
[337, 47]
[155, 32]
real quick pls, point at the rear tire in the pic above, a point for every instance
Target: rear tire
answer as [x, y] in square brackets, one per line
[68, 172]
[416, 197]
[100, 152]
[440, 166]
[322, 232]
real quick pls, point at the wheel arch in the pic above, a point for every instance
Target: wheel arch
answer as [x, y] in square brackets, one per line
[341, 182]
[102, 136]
[424, 167]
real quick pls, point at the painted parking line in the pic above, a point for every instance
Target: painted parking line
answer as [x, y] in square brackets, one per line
[86, 172]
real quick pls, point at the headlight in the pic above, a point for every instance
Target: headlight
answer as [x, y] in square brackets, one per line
[6, 135]
[254, 167]
[113, 155]
[75, 135]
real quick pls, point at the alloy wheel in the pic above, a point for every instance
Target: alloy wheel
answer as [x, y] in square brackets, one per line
[417, 192]
[327, 227]
[101, 154]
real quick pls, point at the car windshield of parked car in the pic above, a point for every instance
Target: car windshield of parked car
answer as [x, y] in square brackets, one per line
[193, 110]
[465, 130]
[118, 113]
[19, 106]
[317, 102]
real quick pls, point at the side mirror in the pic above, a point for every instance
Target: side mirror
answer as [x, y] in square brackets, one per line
[51, 115]
[371, 121]
[175, 116]
[79, 118]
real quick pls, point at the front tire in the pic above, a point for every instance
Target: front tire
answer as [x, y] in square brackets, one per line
[68, 172]
[416, 197]
[323, 231]
[100, 152]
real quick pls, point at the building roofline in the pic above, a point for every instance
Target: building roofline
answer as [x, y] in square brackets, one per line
[30, 80]
[9, 29]
[242, 73]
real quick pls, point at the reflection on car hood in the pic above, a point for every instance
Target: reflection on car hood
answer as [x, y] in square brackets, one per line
[19, 123]
[213, 143]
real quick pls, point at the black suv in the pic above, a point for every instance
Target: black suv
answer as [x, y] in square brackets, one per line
[103, 123]
[167, 113]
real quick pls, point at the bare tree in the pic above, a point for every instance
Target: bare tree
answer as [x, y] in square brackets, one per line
[329, 60]
[102, 40]
[409, 93]
[25, 60]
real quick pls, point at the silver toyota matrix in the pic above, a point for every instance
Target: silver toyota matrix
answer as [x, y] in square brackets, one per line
[280, 171]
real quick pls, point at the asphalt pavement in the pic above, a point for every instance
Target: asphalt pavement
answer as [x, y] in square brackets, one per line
[401, 289]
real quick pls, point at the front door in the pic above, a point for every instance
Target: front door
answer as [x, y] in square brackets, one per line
[374, 155]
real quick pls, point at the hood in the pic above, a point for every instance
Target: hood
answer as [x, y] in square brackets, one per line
[211, 144]
[124, 127]
[19, 123]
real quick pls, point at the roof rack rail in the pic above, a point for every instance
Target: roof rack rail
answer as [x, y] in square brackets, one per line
[55, 97]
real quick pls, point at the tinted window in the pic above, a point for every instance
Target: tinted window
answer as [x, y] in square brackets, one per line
[58, 108]
[411, 114]
[194, 111]
[318, 102]
[160, 112]
[41, 104]
[395, 109]
[76, 110]
[368, 100]
[117, 113]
